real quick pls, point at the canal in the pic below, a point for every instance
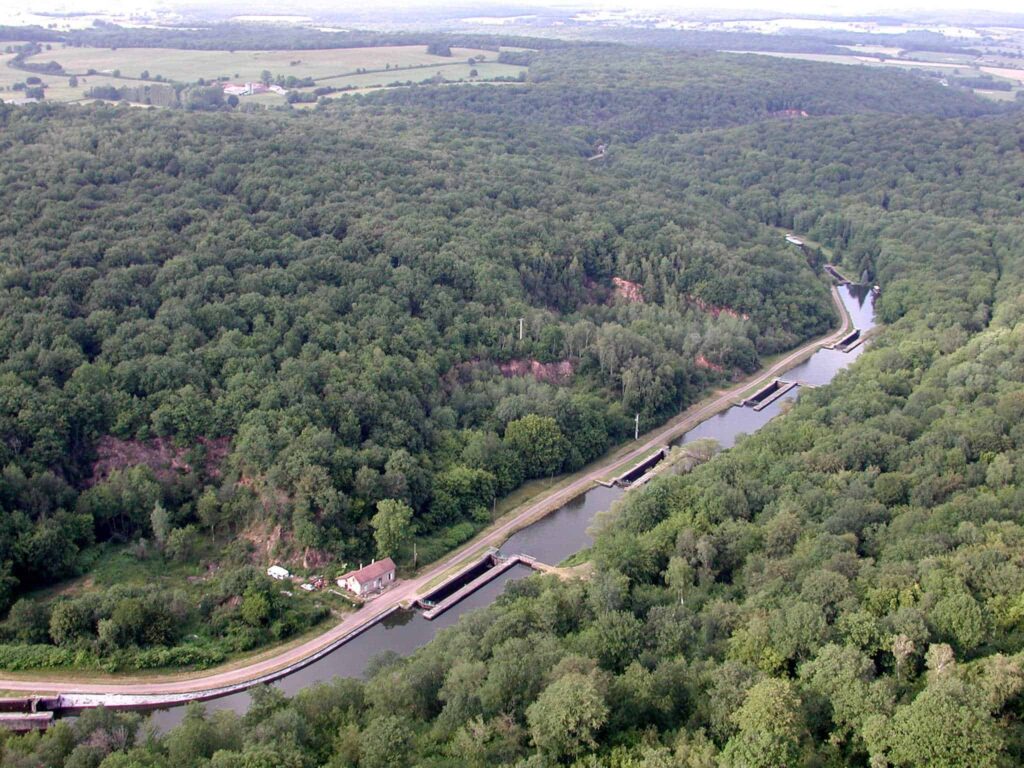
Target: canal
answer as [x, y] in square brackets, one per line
[551, 539]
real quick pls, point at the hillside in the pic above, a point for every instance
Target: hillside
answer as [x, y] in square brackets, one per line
[230, 339]
[842, 588]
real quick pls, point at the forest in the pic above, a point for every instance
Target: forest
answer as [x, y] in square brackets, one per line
[842, 588]
[231, 337]
[242, 36]
[229, 340]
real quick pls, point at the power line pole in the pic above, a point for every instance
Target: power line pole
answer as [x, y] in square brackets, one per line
[636, 428]
[521, 328]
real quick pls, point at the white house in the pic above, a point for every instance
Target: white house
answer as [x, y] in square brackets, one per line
[374, 577]
[277, 572]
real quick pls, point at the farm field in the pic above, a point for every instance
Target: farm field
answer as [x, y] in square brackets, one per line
[274, 100]
[57, 87]
[997, 95]
[451, 72]
[835, 58]
[8, 76]
[191, 65]
[936, 57]
[1009, 74]
[870, 49]
[1016, 75]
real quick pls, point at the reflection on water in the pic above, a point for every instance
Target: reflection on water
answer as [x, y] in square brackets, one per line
[564, 531]
[859, 301]
[728, 425]
[550, 540]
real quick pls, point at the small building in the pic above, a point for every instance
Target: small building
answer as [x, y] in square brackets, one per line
[277, 572]
[375, 577]
[791, 238]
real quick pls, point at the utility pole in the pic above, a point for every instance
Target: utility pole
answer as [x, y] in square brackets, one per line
[636, 428]
[521, 328]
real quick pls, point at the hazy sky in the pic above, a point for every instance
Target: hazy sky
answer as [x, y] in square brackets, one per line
[810, 7]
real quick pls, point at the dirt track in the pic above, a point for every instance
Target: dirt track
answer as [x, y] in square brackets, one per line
[140, 691]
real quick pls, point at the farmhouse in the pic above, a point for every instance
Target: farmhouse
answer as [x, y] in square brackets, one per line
[375, 577]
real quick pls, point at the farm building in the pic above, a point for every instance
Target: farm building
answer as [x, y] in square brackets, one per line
[374, 577]
[277, 572]
[250, 89]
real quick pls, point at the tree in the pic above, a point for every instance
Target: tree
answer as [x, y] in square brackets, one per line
[843, 675]
[159, 523]
[959, 619]
[385, 742]
[770, 728]
[198, 737]
[946, 726]
[679, 577]
[135, 621]
[257, 609]
[182, 543]
[461, 492]
[72, 82]
[539, 442]
[70, 621]
[481, 743]
[208, 510]
[392, 526]
[29, 622]
[567, 716]
[614, 639]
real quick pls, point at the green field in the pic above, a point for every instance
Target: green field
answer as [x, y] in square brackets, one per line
[452, 72]
[939, 62]
[384, 65]
[835, 58]
[940, 57]
[57, 87]
[191, 65]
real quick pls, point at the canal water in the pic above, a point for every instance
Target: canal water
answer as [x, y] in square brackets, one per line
[550, 540]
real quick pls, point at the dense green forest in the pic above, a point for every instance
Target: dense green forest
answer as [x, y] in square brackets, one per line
[231, 338]
[315, 316]
[842, 588]
[242, 37]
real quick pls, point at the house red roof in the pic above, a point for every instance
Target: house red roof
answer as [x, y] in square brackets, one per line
[371, 571]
